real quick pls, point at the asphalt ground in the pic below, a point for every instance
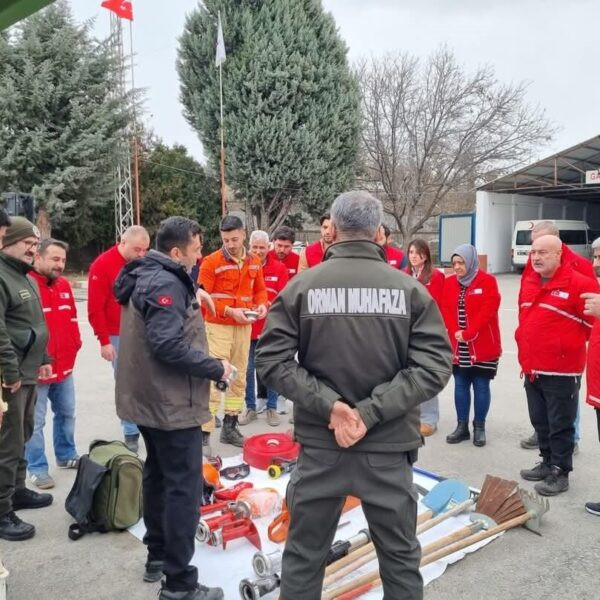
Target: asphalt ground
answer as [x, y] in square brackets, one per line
[560, 564]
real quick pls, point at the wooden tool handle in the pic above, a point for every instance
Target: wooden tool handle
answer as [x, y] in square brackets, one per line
[350, 586]
[333, 577]
[424, 516]
[346, 560]
[455, 536]
[473, 539]
[434, 556]
[445, 515]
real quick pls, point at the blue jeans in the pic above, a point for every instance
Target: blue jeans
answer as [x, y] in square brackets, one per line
[128, 427]
[462, 396]
[430, 411]
[251, 384]
[62, 401]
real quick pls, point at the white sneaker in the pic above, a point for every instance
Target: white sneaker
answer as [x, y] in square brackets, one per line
[43, 482]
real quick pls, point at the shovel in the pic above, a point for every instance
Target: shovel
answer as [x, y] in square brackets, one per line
[441, 495]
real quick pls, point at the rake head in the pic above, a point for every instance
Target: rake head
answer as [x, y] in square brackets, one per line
[536, 508]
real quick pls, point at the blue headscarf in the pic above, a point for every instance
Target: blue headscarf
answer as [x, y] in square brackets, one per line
[469, 255]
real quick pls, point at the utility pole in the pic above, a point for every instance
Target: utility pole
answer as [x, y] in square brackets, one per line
[124, 216]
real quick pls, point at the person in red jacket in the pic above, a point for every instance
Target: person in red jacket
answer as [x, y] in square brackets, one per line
[64, 342]
[470, 304]
[394, 256]
[313, 254]
[592, 308]
[421, 268]
[276, 277]
[579, 264]
[551, 340]
[104, 312]
[283, 243]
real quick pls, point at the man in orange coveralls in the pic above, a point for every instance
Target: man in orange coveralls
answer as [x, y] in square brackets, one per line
[234, 279]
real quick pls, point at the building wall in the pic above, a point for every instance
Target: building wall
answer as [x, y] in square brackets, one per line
[498, 213]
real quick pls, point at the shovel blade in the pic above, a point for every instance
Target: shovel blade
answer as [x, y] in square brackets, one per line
[445, 492]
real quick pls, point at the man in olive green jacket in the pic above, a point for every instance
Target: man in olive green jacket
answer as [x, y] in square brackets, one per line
[23, 339]
[371, 347]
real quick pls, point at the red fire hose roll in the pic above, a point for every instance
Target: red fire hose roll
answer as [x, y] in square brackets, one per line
[260, 450]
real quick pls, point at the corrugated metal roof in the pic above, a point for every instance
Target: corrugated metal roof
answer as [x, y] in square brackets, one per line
[561, 175]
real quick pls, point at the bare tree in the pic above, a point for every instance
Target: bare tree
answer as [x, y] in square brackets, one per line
[430, 129]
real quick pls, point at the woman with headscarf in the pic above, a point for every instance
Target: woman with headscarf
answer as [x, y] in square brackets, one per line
[421, 268]
[470, 306]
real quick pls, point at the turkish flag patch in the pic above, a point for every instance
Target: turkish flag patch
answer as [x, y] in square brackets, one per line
[165, 300]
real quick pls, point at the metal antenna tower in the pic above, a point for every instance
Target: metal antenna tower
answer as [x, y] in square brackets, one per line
[123, 182]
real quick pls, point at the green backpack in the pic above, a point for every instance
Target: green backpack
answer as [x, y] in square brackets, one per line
[107, 493]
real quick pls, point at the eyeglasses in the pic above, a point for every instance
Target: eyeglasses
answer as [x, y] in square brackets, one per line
[31, 245]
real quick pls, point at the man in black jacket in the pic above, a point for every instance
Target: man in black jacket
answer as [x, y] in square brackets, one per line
[370, 346]
[163, 379]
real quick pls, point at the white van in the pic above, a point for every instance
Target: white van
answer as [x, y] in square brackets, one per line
[576, 234]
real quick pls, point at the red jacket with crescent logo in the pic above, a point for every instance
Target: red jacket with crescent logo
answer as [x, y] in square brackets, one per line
[61, 319]
[482, 301]
[104, 312]
[276, 276]
[553, 330]
[395, 257]
[290, 262]
[593, 367]
[435, 285]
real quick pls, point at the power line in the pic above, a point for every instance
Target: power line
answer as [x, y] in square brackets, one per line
[146, 160]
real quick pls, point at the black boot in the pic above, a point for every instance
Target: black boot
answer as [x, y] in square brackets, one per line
[26, 498]
[479, 433]
[230, 434]
[153, 571]
[555, 483]
[13, 529]
[460, 434]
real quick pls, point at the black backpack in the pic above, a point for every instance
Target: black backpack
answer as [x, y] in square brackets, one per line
[107, 493]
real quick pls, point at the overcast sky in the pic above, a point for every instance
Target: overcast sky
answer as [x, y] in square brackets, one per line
[550, 43]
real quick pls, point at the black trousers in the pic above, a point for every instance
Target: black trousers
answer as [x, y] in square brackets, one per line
[15, 431]
[315, 496]
[172, 491]
[261, 388]
[552, 403]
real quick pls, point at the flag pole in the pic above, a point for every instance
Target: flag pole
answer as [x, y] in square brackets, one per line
[136, 164]
[223, 200]
[220, 58]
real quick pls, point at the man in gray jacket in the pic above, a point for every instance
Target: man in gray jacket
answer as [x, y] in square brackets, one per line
[371, 347]
[163, 379]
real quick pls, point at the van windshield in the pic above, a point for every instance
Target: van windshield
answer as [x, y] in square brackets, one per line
[573, 237]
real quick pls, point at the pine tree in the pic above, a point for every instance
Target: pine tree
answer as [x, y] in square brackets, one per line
[59, 122]
[173, 183]
[290, 102]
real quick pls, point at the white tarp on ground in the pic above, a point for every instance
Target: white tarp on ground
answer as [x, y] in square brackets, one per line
[226, 568]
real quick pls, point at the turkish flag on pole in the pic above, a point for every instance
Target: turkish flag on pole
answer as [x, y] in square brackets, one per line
[121, 8]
